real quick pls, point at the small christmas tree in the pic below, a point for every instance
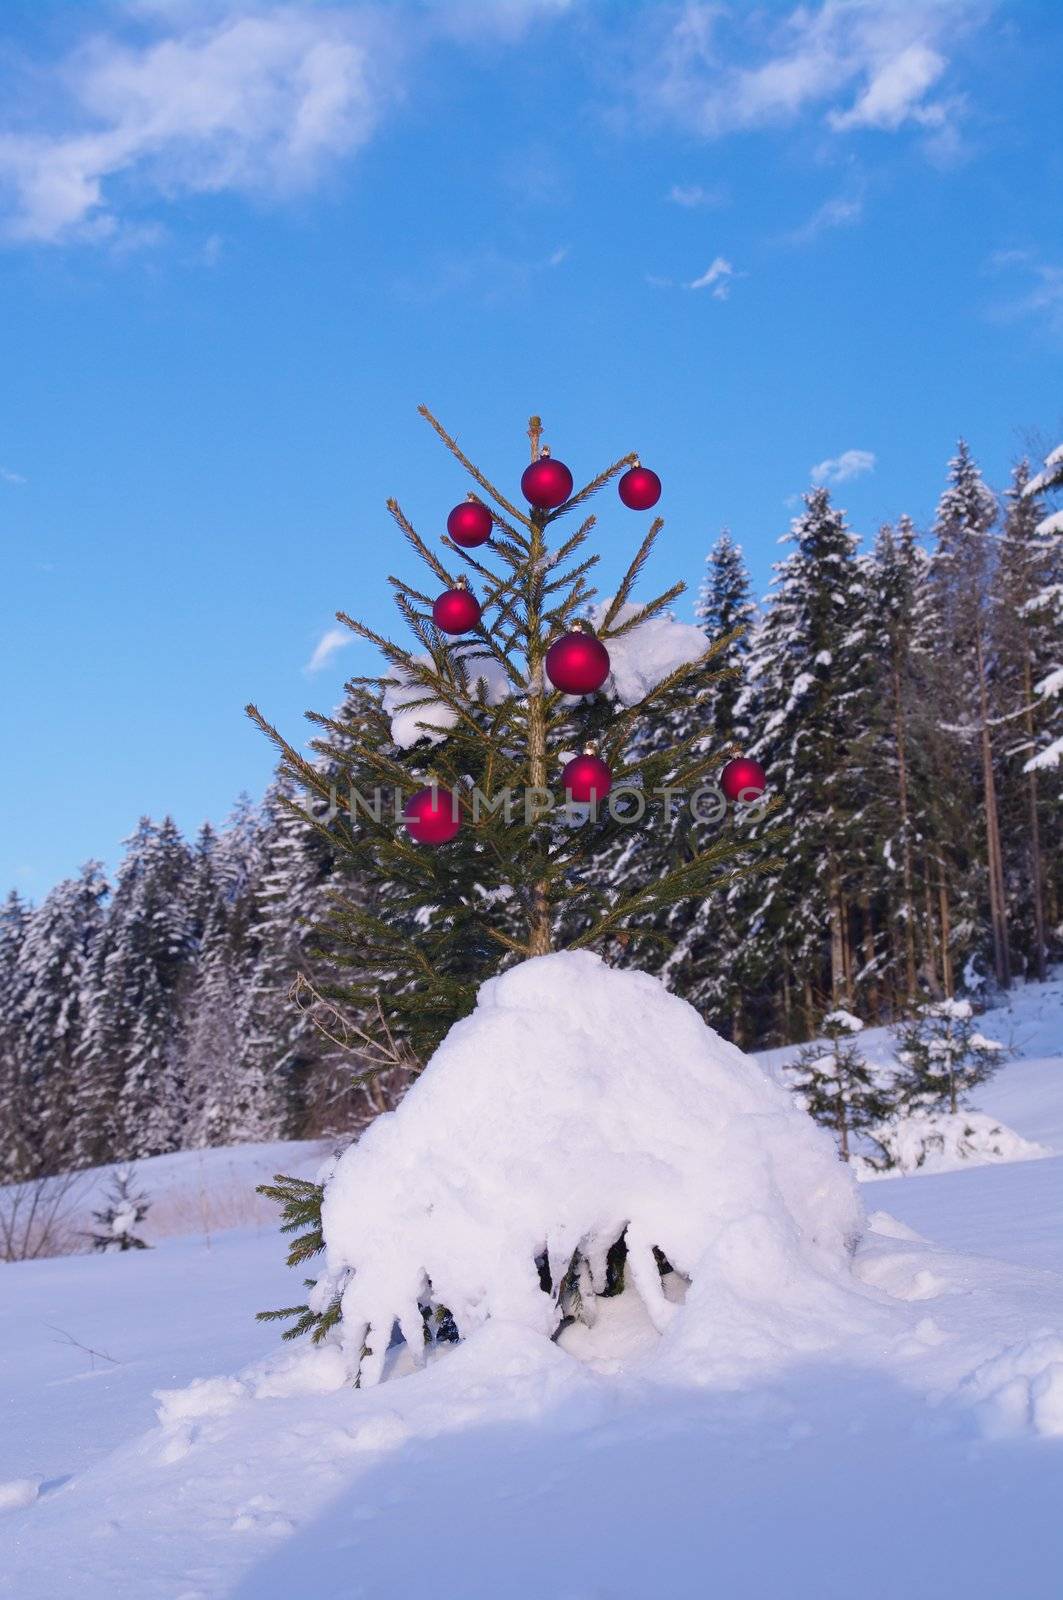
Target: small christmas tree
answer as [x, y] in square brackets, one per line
[125, 1209]
[943, 1056]
[478, 729]
[837, 1085]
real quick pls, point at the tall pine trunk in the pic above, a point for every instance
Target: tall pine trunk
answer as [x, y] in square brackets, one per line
[907, 875]
[946, 931]
[997, 905]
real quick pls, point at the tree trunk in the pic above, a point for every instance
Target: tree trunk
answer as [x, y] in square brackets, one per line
[810, 1008]
[838, 984]
[843, 1129]
[928, 922]
[946, 931]
[901, 741]
[874, 1004]
[540, 940]
[997, 904]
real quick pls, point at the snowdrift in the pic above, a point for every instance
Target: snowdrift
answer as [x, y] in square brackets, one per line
[947, 1142]
[576, 1106]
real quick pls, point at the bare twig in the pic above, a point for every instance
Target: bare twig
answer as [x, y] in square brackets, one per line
[68, 1338]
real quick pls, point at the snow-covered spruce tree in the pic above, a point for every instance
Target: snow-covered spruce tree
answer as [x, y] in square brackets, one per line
[809, 683]
[837, 1085]
[895, 588]
[915, 808]
[278, 1044]
[484, 732]
[942, 1056]
[1025, 639]
[16, 1130]
[960, 575]
[60, 940]
[715, 961]
[1047, 604]
[128, 1098]
[125, 1208]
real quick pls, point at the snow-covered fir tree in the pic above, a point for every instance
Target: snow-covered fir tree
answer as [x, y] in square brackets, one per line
[942, 1056]
[56, 959]
[129, 1099]
[124, 1209]
[16, 1128]
[226, 872]
[837, 1085]
[1025, 640]
[714, 963]
[912, 794]
[1047, 606]
[809, 683]
[960, 576]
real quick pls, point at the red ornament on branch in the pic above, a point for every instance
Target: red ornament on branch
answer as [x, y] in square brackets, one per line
[586, 778]
[743, 779]
[547, 483]
[456, 610]
[639, 488]
[577, 663]
[432, 816]
[470, 524]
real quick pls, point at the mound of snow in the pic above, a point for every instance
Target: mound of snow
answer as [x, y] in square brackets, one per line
[946, 1141]
[576, 1104]
[1020, 1390]
[18, 1492]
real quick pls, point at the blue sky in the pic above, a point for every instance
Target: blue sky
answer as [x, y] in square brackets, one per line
[239, 243]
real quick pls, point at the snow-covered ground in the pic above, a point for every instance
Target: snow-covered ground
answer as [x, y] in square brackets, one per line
[924, 1458]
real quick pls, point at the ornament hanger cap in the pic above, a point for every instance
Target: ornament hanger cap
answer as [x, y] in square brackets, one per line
[591, 747]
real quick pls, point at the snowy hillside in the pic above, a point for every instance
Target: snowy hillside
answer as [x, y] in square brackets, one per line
[920, 1456]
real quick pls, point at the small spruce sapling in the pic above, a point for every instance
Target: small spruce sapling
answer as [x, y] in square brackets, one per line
[837, 1085]
[942, 1056]
[125, 1209]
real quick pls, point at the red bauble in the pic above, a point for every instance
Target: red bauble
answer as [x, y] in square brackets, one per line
[470, 524]
[639, 488]
[456, 611]
[432, 816]
[741, 776]
[587, 779]
[577, 663]
[546, 483]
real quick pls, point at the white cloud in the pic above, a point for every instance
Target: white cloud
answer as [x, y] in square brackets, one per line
[692, 195]
[331, 642]
[856, 63]
[7, 476]
[258, 102]
[1039, 292]
[840, 212]
[839, 469]
[896, 92]
[717, 277]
